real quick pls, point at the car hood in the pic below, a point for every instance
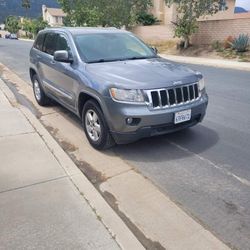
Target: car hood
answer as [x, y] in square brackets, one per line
[141, 74]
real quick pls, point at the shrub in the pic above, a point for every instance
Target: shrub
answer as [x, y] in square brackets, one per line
[228, 42]
[146, 19]
[216, 45]
[241, 43]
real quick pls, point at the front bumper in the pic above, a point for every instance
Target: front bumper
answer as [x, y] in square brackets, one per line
[151, 122]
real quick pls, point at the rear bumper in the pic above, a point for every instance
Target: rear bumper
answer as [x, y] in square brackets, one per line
[159, 123]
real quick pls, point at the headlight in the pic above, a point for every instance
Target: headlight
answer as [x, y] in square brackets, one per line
[127, 95]
[201, 84]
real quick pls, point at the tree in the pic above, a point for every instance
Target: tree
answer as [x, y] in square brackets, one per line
[33, 26]
[26, 26]
[188, 13]
[26, 5]
[12, 24]
[105, 13]
[37, 25]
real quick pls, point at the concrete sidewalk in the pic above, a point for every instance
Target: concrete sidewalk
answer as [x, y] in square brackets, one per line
[40, 205]
[229, 64]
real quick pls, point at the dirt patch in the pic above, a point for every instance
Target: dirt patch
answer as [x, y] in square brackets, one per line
[94, 176]
[205, 51]
[146, 242]
[163, 46]
[68, 146]
[52, 131]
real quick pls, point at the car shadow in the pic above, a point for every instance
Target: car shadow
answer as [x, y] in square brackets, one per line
[167, 147]
[181, 144]
[67, 114]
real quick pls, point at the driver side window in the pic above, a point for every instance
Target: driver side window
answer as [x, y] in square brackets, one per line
[62, 43]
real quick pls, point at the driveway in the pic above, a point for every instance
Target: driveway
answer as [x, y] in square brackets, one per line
[205, 169]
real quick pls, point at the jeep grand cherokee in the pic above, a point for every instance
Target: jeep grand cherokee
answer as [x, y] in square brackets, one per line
[118, 86]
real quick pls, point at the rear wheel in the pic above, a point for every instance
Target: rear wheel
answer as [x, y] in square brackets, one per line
[95, 126]
[39, 93]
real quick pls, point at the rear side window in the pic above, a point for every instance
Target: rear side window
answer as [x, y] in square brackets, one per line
[62, 43]
[39, 42]
[49, 46]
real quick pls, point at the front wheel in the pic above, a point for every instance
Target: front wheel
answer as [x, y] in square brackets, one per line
[95, 126]
[39, 93]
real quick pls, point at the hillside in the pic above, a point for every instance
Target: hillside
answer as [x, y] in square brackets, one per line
[14, 7]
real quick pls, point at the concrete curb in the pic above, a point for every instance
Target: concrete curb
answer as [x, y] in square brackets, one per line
[209, 62]
[113, 223]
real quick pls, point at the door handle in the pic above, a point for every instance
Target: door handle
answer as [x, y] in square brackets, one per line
[52, 62]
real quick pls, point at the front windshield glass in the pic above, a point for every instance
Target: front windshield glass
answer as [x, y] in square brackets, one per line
[104, 47]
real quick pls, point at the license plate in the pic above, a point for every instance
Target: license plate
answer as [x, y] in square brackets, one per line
[182, 116]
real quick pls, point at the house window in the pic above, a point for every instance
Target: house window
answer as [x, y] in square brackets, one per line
[223, 5]
[57, 19]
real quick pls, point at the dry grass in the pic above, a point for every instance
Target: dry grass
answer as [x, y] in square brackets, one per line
[163, 46]
[207, 51]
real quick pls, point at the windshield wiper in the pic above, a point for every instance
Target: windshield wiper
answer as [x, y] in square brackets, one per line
[140, 57]
[104, 60]
[101, 60]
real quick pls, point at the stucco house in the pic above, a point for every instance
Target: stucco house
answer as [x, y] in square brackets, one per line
[53, 16]
[231, 20]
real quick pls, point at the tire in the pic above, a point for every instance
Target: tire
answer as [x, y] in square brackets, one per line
[39, 93]
[95, 126]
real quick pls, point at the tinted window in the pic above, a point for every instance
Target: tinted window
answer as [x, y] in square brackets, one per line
[62, 43]
[111, 46]
[49, 46]
[39, 42]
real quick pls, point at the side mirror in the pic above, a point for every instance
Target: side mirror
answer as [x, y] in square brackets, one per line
[155, 50]
[63, 56]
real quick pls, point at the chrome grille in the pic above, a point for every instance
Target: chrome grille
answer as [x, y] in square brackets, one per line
[163, 98]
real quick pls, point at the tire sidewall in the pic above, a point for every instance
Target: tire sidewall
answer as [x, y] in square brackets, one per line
[102, 141]
[43, 100]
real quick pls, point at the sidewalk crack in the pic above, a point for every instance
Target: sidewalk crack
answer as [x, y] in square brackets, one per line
[26, 133]
[33, 184]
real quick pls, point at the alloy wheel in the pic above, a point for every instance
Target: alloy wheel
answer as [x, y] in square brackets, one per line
[92, 124]
[37, 90]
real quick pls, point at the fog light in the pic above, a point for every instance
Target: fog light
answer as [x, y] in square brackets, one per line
[133, 121]
[129, 120]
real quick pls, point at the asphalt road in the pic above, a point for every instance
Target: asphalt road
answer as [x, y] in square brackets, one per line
[205, 169]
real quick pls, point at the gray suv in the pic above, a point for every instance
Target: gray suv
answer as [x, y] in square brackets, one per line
[118, 86]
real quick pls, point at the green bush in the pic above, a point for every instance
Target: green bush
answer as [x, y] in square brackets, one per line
[145, 18]
[241, 43]
[216, 45]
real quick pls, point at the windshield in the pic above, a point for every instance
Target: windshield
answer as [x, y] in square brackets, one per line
[104, 47]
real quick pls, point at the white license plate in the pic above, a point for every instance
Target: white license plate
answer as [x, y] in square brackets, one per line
[182, 116]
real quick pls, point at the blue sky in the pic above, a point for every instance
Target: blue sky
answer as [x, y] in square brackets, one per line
[243, 3]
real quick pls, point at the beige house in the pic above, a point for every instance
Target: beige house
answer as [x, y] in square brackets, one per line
[53, 16]
[217, 27]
